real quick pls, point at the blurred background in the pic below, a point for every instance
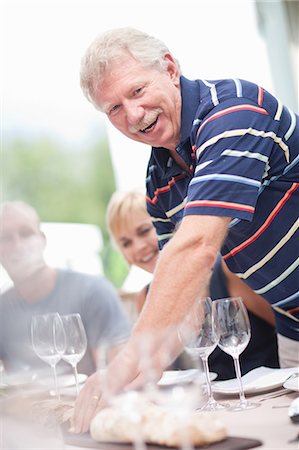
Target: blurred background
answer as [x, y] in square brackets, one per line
[60, 155]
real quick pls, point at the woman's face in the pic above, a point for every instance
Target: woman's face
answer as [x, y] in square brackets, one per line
[137, 240]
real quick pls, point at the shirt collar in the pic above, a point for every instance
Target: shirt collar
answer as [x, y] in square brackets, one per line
[190, 93]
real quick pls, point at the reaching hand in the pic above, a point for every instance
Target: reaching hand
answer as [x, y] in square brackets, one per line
[89, 402]
[128, 370]
[120, 373]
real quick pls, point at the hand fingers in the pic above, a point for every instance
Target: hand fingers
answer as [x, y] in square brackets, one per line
[136, 384]
[86, 405]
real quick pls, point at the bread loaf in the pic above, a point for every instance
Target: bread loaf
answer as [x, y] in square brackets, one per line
[157, 425]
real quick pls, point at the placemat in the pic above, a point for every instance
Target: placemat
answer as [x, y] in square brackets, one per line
[85, 440]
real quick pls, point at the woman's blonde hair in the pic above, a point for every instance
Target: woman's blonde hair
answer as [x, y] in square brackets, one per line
[120, 208]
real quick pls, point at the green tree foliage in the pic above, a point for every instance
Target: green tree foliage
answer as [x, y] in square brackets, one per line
[64, 185]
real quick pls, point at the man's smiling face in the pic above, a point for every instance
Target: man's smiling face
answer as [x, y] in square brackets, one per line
[144, 103]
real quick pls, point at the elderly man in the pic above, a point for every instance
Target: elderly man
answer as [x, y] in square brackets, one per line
[224, 166]
[40, 289]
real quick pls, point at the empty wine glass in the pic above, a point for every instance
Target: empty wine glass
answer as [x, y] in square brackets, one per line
[234, 335]
[76, 342]
[48, 340]
[180, 399]
[1, 372]
[200, 337]
[130, 402]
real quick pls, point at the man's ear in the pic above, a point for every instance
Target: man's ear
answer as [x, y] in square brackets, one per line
[43, 238]
[172, 69]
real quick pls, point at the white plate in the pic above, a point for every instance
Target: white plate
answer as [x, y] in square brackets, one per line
[292, 384]
[257, 380]
[63, 380]
[16, 380]
[182, 376]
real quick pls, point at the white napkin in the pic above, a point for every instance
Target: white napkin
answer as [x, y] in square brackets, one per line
[261, 378]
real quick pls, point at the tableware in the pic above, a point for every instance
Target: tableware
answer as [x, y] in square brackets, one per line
[294, 411]
[174, 393]
[14, 380]
[273, 394]
[181, 400]
[292, 382]
[129, 402]
[261, 379]
[76, 342]
[65, 381]
[1, 371]
[234, 335]
[183, 376]
[68, 385]
[200, 337]
[84, 440]
[48, 340]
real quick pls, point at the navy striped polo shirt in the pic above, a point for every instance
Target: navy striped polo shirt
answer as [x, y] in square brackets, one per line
[242, 149]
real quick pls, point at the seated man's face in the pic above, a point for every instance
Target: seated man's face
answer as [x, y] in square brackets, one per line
[21, 243]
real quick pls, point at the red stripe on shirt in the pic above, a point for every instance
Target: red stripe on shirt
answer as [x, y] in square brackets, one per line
[226, 205]
[164, 189]
[231, 110]
[266, 224]
[260, 97]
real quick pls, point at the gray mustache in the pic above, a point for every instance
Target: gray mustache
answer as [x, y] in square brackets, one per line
[146, 121]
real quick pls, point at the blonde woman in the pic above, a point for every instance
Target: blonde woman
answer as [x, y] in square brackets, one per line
[131, 229]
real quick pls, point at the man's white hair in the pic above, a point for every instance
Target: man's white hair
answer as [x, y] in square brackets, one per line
[113, 46]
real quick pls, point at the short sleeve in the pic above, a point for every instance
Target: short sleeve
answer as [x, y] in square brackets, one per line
[233, 147]
[103, 314]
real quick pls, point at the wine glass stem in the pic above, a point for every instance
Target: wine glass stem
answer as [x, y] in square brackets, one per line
[76, 378]
[139, 443]
[209, 387]
[239, 377]
[186, 443]
[55, 381]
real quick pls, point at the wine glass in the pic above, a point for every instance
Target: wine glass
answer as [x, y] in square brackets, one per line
[200, 338]
[48, 340]
[76, 342]
[179, 398]
[234, 335]
[131, 401]
[1, 372]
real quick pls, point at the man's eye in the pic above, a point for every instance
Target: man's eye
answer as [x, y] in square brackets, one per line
[145, 230]
[138, 91]
[114, 109]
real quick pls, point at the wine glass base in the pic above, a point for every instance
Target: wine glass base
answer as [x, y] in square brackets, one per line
[243, 406]
[214, 406]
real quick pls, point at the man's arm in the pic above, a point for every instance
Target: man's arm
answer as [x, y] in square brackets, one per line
[182, 274]
[183, 271]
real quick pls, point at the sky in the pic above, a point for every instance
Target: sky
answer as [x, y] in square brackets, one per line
[43, 42]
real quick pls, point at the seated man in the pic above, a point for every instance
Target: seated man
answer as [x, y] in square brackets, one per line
[40, 289]
[131, 228]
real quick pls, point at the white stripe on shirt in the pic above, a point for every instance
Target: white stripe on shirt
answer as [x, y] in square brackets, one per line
[241, 132]
[270, 255]
[279, 279]
[212, 91]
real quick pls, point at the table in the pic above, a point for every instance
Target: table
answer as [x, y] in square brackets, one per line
[271, 425]
[269, 422]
